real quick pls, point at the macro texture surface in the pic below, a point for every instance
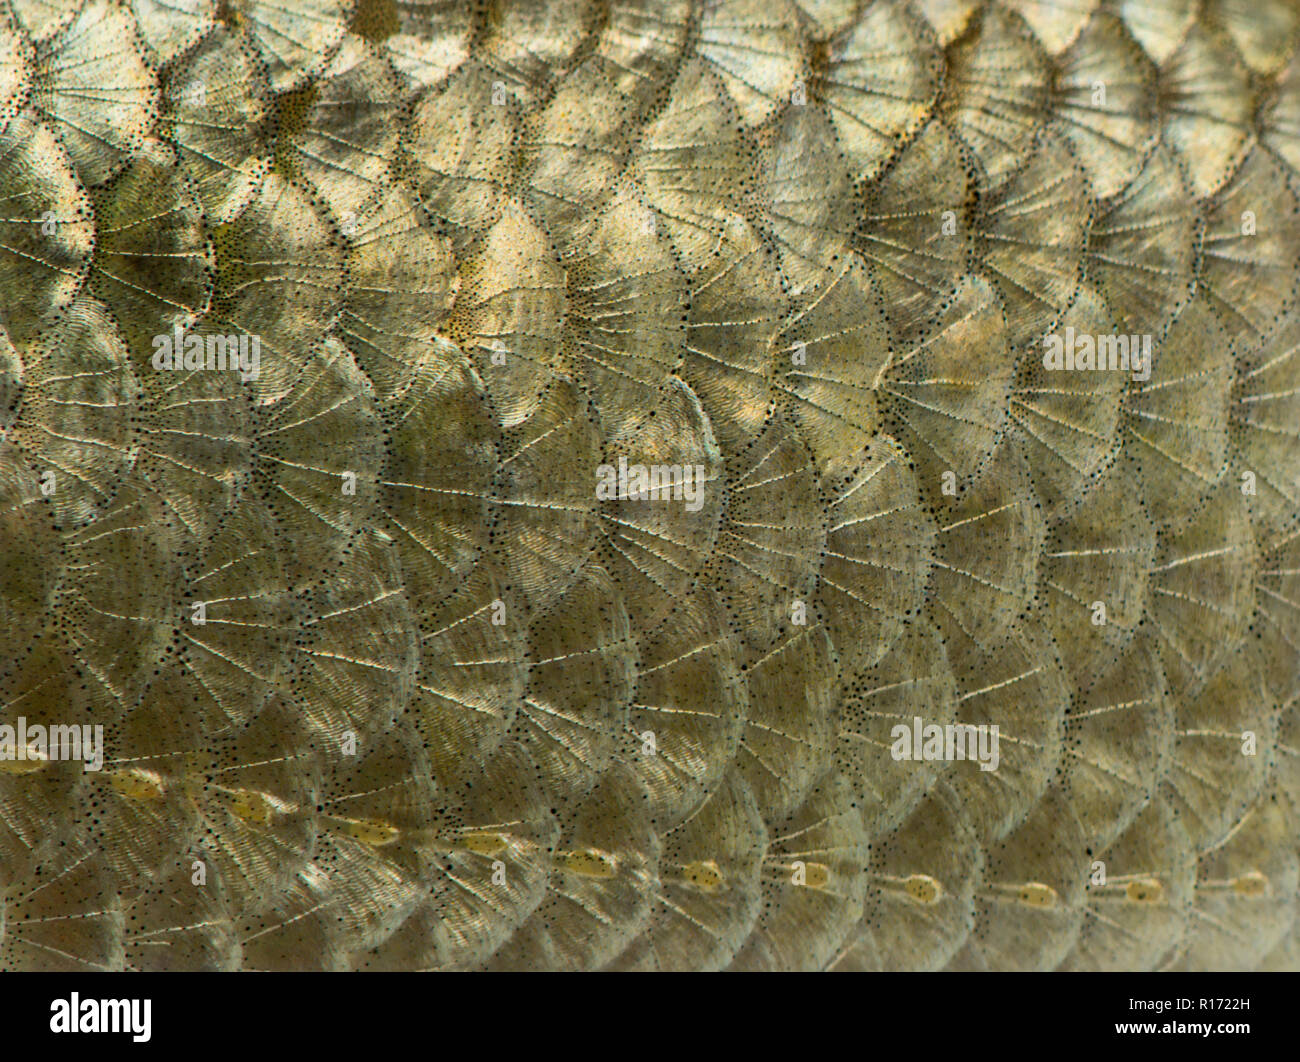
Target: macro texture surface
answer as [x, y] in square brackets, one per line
[649, 484]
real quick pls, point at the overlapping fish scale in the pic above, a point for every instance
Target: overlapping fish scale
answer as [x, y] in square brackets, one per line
[1144, 245]
[398, 667]
[1138, 900]
[95, 87]
[602, 883]
[1244, 901]
[426, 40]
[813, 885]
[1250, 264]
[342, 132]
[40, 801]
[915, 226]
[710, 889]
[1103, 102]
[49, 231]
[882, 77]
[74, 420]
[217, 109]
[830, 354]
[1207, 106]
[1175, 423]
[921, 884]
[1030, 907]
[997, 91]
[1066, 428]
[1093, 579]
